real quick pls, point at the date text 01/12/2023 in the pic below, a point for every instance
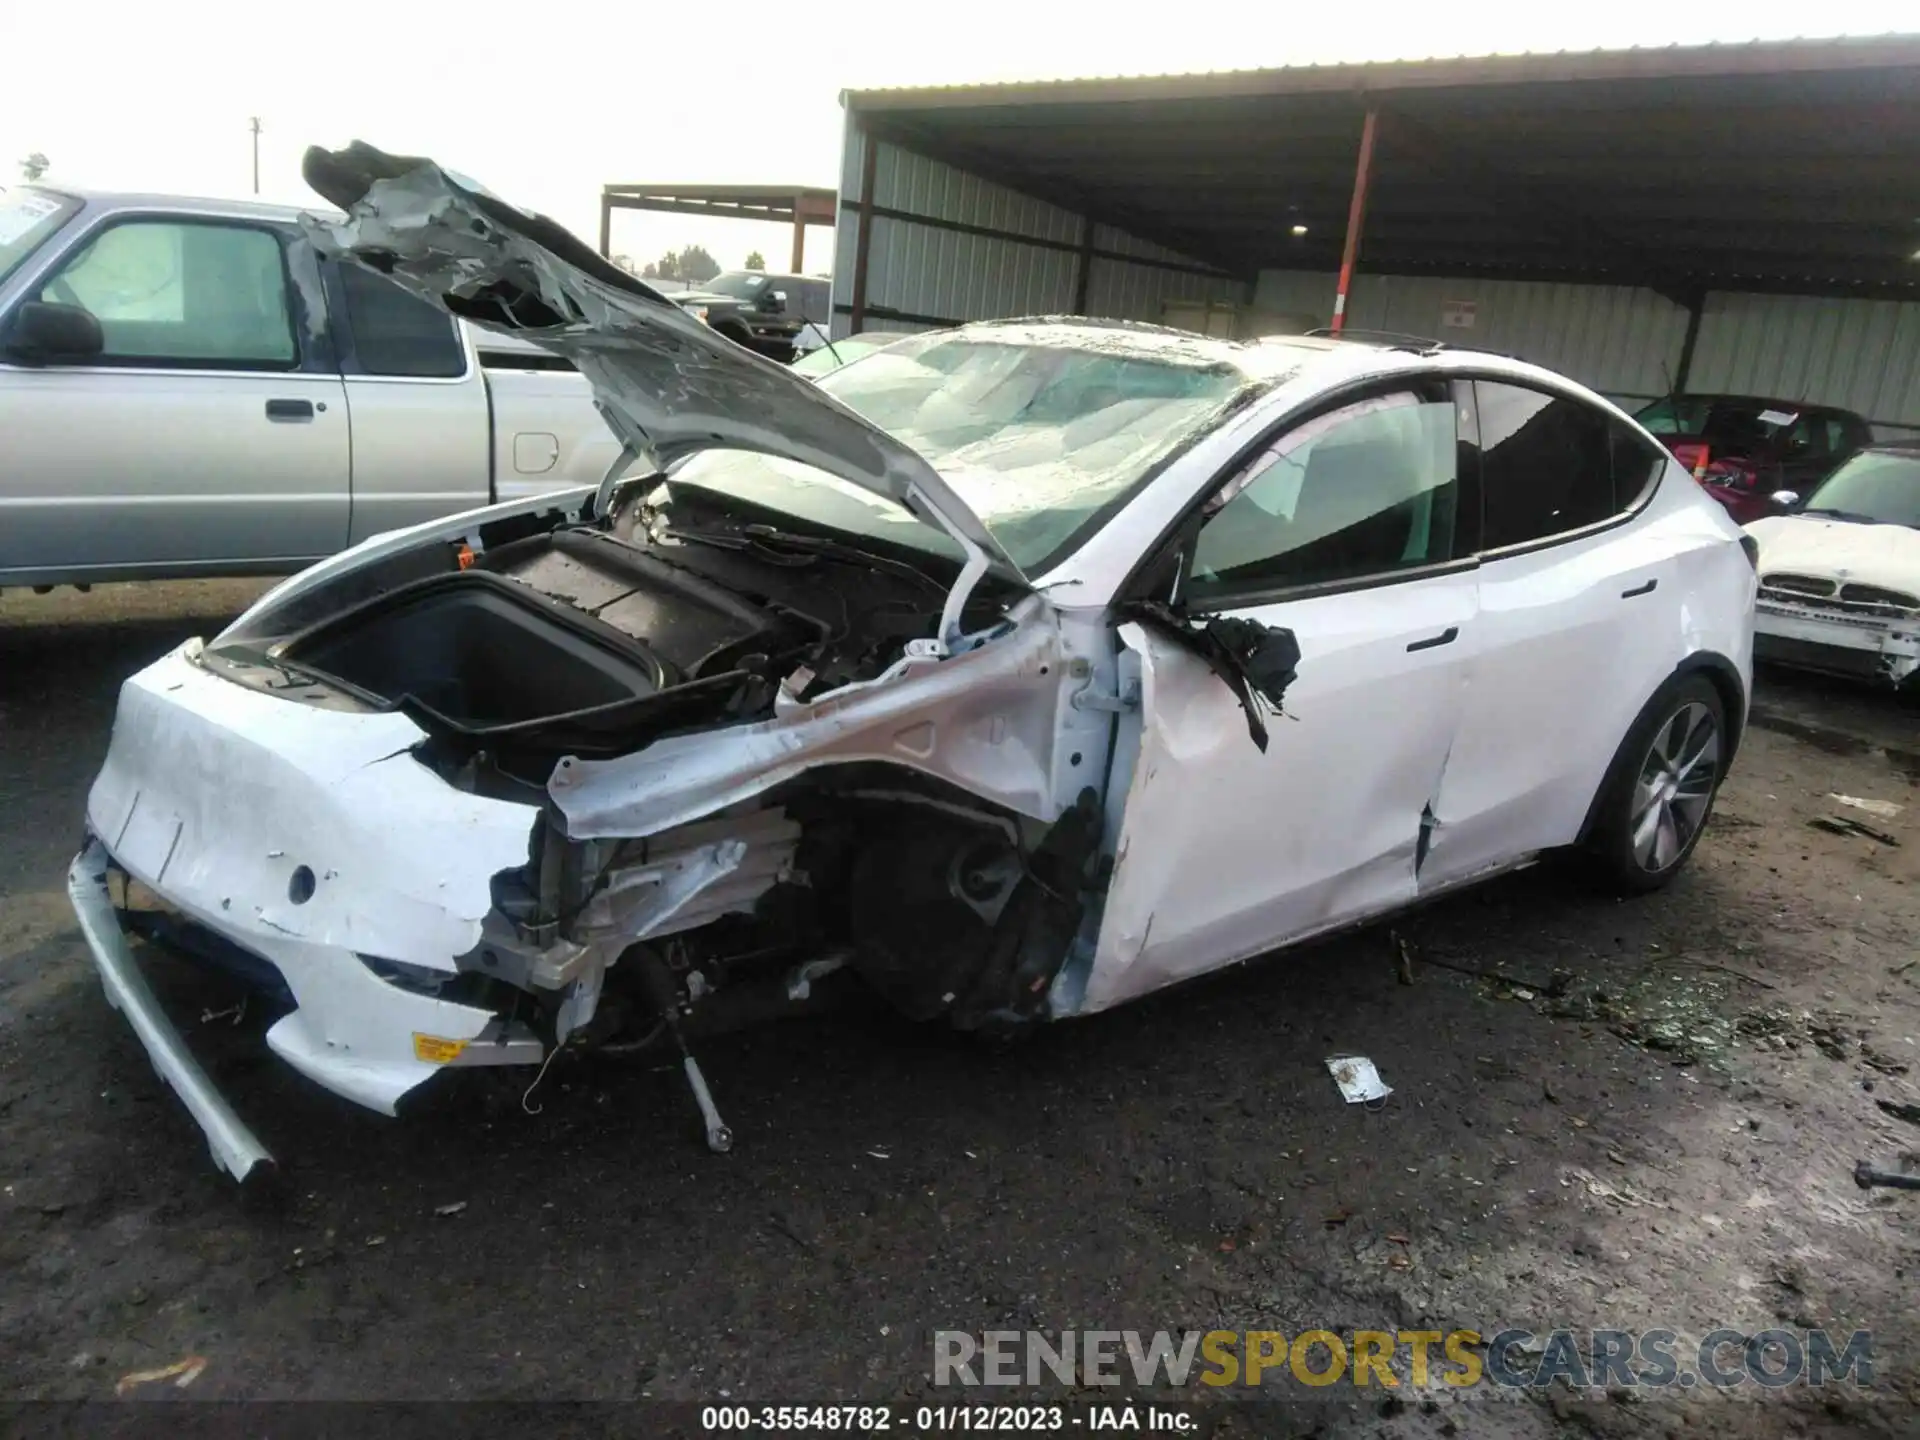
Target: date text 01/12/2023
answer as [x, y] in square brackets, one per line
[945, 1419]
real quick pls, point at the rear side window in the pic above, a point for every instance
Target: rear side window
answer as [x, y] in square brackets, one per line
[395, 333]
[1359, 492]
[1546, 464]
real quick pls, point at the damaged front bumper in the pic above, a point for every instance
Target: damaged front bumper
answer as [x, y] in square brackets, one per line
[312, 840]
[1858, 642]
[235, 1148]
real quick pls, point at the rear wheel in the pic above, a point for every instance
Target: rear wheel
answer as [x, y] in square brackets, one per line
[1662, 786]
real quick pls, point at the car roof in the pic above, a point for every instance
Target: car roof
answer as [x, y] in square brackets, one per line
[1770, 402]
[198, 204]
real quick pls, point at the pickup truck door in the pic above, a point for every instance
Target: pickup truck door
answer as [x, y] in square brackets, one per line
[209, 435]
[422, 429]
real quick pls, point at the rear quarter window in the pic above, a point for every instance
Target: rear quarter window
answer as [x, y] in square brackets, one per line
[1546, 464]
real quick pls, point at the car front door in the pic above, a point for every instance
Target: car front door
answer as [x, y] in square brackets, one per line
[1576, 626]
[210, 431]
[1347, 529]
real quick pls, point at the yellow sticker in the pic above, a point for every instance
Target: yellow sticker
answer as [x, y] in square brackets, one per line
[436, 1051]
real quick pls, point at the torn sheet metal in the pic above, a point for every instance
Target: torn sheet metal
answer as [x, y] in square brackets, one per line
[1359, 1082]
[1256, 662]
[668, 385]
[997, 721]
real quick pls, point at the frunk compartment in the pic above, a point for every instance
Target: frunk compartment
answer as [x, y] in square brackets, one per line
[478, 651]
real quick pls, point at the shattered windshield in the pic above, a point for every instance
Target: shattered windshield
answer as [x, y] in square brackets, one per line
[1879, 486]
[27, 218]
[1036, 438]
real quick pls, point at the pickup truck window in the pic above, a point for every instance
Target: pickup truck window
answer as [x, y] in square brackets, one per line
[395, 333]
[27, 218]
[183, 293]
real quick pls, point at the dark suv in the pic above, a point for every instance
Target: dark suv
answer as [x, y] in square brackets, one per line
[1744, 448]
[760, 311]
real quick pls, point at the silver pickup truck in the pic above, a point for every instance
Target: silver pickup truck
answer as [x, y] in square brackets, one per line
[188, 389]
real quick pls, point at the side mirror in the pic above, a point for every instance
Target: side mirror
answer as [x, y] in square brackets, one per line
[772, 301]
[41, 331]
[1786, 499]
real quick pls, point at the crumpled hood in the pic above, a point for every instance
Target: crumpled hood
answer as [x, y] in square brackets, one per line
[1883, 555]
[667, 384]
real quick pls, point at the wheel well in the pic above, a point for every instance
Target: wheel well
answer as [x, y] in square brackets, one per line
[1726, 679]
[1718, 671]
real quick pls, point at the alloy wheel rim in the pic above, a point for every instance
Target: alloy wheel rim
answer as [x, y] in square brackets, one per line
[1675, 787]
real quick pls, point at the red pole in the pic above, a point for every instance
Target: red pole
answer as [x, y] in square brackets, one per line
[1356, 217]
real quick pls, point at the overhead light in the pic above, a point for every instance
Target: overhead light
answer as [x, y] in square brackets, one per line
[1299, 229]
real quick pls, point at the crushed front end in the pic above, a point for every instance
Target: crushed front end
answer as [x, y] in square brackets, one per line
[1815, 622]
[530, 780]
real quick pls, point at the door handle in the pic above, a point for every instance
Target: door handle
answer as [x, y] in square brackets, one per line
[289, 410]
[1434, 642]
[1646, 589]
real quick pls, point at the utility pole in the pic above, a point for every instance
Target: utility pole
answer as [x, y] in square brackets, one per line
[253, 122]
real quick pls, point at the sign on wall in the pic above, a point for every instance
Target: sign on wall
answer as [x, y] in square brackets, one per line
[1457, 314]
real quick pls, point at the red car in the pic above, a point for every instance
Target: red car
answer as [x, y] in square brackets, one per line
[1744, 448]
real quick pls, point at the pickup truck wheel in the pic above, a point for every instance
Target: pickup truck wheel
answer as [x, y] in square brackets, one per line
[1661, 789]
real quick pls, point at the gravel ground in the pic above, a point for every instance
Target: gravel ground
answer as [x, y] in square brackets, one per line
[1650, 1122]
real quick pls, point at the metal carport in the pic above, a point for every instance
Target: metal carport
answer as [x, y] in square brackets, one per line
[1734, 217]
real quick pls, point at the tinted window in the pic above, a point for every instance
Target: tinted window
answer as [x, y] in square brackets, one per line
[395, 333]
[1546, 464]
[1361, 491]
[170, 292]
[1638, 465]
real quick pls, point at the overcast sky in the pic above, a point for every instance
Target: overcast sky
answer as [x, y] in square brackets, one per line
[543, 103]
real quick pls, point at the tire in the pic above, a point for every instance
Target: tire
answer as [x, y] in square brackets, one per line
[1659, 793]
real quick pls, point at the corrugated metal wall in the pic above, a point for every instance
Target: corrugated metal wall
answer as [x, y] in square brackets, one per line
[1621, 341]
[1863, 355]
[928, 272]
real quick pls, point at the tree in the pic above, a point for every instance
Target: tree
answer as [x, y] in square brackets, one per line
[34, 166]
[624, 262]
[650, 271]
[697, 265]
[692, 265]
[756, 261]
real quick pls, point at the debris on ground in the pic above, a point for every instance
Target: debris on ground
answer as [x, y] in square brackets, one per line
[1359, 1082]
[182, 1373]
[1846, 825]
[1908, 1113]
[1885, 809]
[451, 1208]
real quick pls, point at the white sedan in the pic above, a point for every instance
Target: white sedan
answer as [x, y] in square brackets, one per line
[1840, 574]
[1015, 672]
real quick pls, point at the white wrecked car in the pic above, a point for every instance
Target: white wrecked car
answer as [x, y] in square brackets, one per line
[1017, 671]
[1840, 576]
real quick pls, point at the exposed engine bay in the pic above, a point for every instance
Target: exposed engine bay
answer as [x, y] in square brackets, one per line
[536, 645]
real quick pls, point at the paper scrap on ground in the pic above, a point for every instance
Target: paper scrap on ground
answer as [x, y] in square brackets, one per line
[1885, 809]
[1357, 1079]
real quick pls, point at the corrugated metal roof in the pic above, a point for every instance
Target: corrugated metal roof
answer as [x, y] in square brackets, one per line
[1740, 57]
[1787, 164]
